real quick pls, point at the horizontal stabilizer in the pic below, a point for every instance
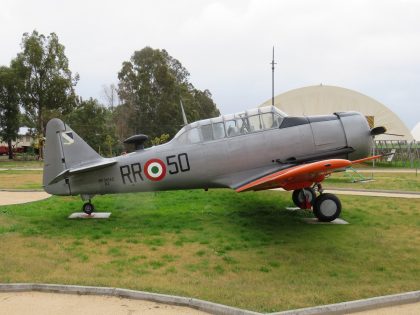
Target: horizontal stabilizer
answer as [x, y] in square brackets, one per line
[83, 168]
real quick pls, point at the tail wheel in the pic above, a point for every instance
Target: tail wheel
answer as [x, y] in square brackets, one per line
[88, 208]
[327, 207]
[304, 198]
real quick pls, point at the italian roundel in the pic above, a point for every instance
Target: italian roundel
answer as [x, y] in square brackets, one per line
[155, 169]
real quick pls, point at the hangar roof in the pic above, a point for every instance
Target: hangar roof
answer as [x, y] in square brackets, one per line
[324, 99]
[416, 132]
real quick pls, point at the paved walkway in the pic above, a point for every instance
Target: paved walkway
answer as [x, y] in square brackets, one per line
[25, 303]
[18, 197]
[387, 170]
[20, 169]
[405, 309]
[373, 193]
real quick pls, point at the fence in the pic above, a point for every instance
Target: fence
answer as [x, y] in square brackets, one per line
[400, 153]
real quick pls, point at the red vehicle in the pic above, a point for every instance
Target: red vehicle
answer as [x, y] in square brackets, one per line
[4, 150]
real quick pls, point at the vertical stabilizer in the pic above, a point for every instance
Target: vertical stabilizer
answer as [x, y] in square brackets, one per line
[63, 149]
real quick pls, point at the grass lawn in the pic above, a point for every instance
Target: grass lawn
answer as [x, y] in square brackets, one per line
[243, 249]
[20, 179]
[6, 163]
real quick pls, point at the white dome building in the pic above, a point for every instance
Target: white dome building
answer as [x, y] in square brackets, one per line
[324, 99]
[416, 132]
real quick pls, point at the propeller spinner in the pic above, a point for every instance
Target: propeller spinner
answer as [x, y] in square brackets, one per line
[377, 131]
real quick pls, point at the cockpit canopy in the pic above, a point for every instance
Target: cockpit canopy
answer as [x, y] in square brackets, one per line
[250, 121]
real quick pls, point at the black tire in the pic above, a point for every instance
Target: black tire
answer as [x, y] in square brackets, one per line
[327, 207]
[88, 208]
[299, 197]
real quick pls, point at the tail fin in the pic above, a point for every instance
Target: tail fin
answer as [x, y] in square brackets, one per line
[64, 149]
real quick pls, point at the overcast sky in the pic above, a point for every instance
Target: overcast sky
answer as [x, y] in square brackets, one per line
[369, 46]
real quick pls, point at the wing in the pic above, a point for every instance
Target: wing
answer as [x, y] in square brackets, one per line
[301, 176]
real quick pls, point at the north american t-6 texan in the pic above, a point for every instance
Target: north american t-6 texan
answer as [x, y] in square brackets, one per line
[258, 149]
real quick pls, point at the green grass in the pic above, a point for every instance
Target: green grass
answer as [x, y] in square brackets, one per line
[243, 249]
[381, 181]
[20, 179]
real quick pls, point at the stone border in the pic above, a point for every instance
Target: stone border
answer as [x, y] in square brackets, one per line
[201, 305]
[214, 308]
[358, 305]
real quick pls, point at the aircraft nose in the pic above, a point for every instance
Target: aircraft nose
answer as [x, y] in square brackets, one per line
[358, 134]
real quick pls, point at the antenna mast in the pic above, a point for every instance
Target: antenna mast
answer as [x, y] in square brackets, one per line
[184, 118]
[272, 79]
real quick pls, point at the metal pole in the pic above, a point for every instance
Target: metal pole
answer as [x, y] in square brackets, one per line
[272, 79]
[373, 161]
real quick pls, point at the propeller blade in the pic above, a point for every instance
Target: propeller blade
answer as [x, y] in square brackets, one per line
[393, 134]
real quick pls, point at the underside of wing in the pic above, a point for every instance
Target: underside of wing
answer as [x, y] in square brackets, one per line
[297, 177]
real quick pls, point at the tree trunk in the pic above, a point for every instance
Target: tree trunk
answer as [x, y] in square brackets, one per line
[40, 133]
[9, 144]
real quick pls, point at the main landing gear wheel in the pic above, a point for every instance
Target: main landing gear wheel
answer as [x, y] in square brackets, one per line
[88, 208]
[327, 207]
[304, 198]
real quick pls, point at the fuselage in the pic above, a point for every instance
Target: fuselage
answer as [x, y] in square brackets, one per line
[228, 150]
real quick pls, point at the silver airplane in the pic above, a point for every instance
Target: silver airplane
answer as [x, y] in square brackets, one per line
[258, 149]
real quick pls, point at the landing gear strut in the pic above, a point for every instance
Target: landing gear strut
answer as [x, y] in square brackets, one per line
[326, 207]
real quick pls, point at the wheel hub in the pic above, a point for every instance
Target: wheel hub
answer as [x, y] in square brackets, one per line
[328, 208]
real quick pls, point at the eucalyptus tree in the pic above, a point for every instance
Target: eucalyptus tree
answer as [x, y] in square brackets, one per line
[46, 84]
[93, 122]
[151, 85]
[9, 107]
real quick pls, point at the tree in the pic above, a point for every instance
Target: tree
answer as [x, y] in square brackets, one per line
[110, 95]
[93, 122]
[46, 83]
[9, 107]
[151, 85]
[160, 140]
